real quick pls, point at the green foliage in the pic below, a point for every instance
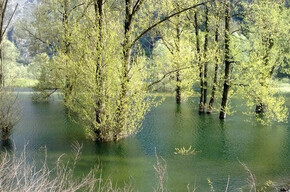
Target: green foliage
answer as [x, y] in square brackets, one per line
[24, 82]
[89, 91]
[15, 74]
[11, 70]
[106, 80]
[259, 55]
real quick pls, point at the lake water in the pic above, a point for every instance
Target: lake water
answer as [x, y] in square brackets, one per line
[221, 145]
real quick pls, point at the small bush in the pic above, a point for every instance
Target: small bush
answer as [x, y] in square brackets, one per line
[9, 113]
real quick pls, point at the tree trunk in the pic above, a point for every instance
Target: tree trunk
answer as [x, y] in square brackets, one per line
[205, 58]
[65, 23]
[178, 78]
[124, 70]
[261, 108]
[201, 106]
[178, 88]
[227, 61]
[3, 6]
[5, 133]
[1, 67]
[98, 5]
[214, 86]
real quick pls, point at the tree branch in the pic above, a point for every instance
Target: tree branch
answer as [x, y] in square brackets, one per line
[49, 94]
[34, 36]
[137, 6]
[76, 6]
[163, 20]
[165, 75]
[10, 19]
[167, 45]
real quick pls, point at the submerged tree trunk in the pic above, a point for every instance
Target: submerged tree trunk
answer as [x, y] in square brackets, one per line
[98, 5]
[127, 49]
[227, 62]
[214, 86]
[201, 76]
[178, 75]
[205, 58]
[178, 88]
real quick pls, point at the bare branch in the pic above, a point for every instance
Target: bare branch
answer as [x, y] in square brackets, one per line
[34, 36]
[9, 21]
[166, 75]
[137, 6]
[251, 177]
[228, 184]
[163, 20]
[3, 10]
[168, 46]
[76, 6]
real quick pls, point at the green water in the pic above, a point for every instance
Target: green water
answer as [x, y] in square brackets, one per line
[221, 145]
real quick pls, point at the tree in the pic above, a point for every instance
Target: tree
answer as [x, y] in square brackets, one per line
[217, 20]
[259, 54]
[227, 61]
[204, 21]
[8, 111]
[105, 66]
[175, 35]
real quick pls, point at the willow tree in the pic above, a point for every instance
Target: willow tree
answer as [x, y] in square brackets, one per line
[203, 21]
[104, 63]
[227, 60]
[217, 23]
[175, 35]
[205, 55]
[134, 29]
[49, 29]
[196, 18]
[261, 53]
[8, 111]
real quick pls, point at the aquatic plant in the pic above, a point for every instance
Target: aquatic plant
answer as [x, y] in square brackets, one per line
[184, 151]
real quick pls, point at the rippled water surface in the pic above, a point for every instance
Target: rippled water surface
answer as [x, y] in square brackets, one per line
[221, 145]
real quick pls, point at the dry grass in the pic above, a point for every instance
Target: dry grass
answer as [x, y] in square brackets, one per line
[17, 173]
[161, 174]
